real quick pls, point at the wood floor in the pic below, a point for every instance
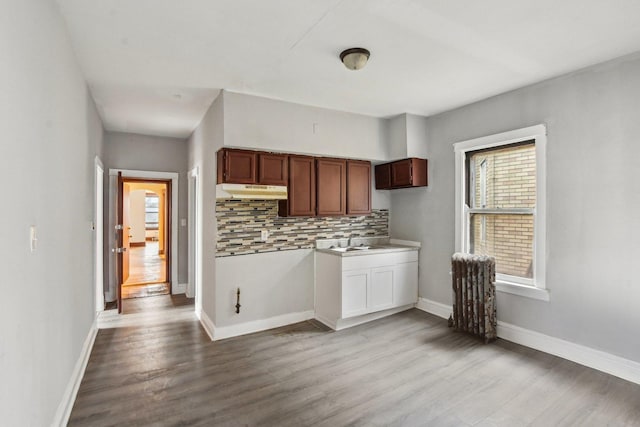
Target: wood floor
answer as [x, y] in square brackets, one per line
[405, 370]
[162, 304]
[146, 265]
[145, 290]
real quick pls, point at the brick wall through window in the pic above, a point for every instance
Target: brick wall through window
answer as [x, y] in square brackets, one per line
[504, 179]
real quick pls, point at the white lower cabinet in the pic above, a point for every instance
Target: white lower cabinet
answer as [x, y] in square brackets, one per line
[407, 274]
[347, 287]
[355, 285]
[381, 289]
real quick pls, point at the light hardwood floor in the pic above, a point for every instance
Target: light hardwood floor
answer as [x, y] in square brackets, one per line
[405, 370]
[146, 265]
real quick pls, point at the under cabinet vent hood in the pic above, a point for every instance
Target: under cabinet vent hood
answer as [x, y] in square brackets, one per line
[251, 191]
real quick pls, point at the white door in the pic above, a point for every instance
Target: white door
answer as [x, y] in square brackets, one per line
[355, 284]
[382, 284]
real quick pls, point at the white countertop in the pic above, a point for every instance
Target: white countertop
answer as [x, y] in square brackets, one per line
[374, 249]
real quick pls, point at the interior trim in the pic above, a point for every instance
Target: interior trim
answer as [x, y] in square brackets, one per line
[606, 362]
[63, 412]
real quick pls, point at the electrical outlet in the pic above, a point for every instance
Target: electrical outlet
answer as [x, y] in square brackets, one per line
[264, 235]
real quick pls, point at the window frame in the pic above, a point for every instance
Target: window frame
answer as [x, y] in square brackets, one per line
[532, 288]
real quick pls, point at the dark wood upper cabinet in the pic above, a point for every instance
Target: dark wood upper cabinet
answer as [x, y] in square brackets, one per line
[237, 166]
[272, 169]
[251, 167]
[383, 176]
[358, 187]
[317, 186]
[301, 199]
[331, 176]
[401, 174]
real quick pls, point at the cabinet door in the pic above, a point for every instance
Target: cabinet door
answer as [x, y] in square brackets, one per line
[401, 173]
[418, 172]
[332, 187]
[358, 187]
[405, 284]
[409, 173]
[381, 291]
[239, 166]
[272, 169]
[383, 176]
[302, 188]
[355, 285]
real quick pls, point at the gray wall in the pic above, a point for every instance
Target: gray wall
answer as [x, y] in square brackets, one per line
[149, 153]
[267, 124]
[51, 136]
[593, 123]
[205, 141]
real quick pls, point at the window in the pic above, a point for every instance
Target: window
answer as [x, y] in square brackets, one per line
[151, 211]
[500, 209]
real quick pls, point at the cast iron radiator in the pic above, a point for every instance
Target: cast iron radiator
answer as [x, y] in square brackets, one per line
[474, 295]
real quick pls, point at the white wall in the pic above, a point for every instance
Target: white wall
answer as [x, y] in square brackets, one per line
[203, 144]
[397, 137]
[271, 284]
[157, 154]
[407, 136]
[592, 118]
[267, 124]
[51, 135]
[417, 134]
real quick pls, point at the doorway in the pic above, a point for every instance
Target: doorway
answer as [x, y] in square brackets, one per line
[119, 257]
[146, 232]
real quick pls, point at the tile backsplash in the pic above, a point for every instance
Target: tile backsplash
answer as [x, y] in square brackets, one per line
[241, 221]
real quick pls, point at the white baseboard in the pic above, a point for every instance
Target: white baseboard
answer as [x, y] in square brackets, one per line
[331, 324]
[615, 365]
[188, 291]
[358, 320]
[433, 307]
[222, 332]
[180, 288]
[207, 323]
[63, 412]
[587, 356]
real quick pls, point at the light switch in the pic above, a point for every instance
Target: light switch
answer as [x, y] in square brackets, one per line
[33, 238]
[183, 222]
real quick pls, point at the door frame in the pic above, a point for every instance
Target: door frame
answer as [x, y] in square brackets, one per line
[194, 285]
[98, 227]
[173, 213]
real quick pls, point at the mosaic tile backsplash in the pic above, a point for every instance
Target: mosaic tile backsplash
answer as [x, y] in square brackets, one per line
[240, 223]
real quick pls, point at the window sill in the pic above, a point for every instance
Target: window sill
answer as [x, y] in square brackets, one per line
[522, 290]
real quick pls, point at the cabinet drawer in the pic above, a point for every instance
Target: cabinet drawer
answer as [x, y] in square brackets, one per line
[378, 260]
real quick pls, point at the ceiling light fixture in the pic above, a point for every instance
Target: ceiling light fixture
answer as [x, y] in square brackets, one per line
[355, 58]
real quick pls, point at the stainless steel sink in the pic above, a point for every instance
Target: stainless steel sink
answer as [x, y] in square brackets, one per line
[349, 249]
[358, 248]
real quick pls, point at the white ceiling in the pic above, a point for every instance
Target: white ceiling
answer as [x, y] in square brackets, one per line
[154, 66]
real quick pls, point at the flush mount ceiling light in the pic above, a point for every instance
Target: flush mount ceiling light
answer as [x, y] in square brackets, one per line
[355, 58]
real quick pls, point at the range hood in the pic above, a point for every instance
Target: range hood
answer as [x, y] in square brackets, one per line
[251, 191]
